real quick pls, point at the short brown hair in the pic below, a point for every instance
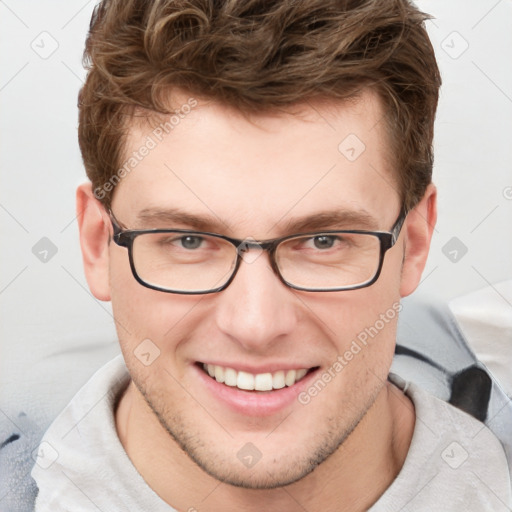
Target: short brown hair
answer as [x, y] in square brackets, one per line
[258, 55]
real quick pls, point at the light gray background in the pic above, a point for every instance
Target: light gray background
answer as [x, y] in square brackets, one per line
[46, 306]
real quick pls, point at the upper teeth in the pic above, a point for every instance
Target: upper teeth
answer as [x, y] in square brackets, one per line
[258, 382]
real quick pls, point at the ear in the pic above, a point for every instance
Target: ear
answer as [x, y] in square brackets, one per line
[419, 227]
[93, 225]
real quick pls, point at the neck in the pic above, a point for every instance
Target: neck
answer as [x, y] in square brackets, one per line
[350, 480]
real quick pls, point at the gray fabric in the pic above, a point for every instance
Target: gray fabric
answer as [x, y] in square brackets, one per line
[80, 474]
[19, 438]
[434, 332]
[454, 463]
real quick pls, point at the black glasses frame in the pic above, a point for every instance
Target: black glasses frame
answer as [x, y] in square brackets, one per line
[126, 237]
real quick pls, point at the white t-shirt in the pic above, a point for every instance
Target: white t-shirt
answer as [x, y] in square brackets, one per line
[455, 463]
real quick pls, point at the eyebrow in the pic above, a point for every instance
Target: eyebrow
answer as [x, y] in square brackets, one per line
[323, 220]
[174, 216]
[336, 219]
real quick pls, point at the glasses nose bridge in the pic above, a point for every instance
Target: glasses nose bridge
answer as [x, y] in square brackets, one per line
[243, 248]
[250, 243]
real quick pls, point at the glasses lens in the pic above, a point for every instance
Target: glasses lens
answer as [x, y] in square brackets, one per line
[329, 260]
[180, 261]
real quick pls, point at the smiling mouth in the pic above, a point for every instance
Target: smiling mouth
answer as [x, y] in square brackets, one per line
[255, 382]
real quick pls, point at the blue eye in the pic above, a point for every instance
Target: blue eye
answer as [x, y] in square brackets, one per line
[324, 241]
[191, 242]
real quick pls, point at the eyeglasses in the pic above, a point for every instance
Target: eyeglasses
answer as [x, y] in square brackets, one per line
[197, 262]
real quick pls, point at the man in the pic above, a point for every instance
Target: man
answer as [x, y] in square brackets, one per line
[260, 201]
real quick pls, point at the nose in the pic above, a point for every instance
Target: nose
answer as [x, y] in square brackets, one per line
[256, 308]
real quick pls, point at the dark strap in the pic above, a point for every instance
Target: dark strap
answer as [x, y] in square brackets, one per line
[470, 388]
[471, 391]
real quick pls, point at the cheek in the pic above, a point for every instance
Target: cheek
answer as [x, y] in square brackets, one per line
[373, 318]
[362, 325]
[364, 338]
[361, 315]
[367, 345]
[143, 314]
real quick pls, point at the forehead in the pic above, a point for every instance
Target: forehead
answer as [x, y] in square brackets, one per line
[255, 173]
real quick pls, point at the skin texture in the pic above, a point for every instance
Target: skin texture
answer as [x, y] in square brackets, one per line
[254, 175]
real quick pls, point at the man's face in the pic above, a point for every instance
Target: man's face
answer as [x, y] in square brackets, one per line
[252, 178]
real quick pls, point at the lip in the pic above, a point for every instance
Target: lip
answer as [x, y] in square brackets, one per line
[253, 403]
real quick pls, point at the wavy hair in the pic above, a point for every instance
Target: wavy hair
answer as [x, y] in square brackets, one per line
[256, 56]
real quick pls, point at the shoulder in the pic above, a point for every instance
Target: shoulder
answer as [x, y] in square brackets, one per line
[454, 461]
[74, 458]
[468, 438]
[19, 438]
